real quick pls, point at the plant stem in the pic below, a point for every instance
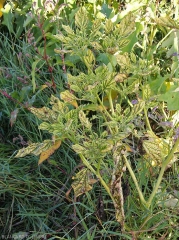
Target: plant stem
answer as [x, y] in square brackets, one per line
[164, 164]
[147, 120]
[106, 112]
[88, 165]
[134, 180]
[146, 115]
[111, 102]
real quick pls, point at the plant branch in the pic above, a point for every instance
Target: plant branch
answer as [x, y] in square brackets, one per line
[147, 120]
[111, 102]
[146, 115]
[106, 112]
[88, 165]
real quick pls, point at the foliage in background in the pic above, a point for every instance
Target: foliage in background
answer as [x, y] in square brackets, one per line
[119, 109]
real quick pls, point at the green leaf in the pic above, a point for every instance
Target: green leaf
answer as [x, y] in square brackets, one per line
[168, 43]
[158, 86]
[131, 7]
[106, 10]
[172, 98]
[8, 17]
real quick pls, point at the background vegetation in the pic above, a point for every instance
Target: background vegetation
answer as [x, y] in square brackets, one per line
[89, 119]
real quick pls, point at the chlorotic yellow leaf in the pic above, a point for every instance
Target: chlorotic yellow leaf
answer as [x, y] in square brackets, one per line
[46, 154]
[84, 120]
[68, 97]
[44, 113]
[74, 103]
[82, 182]
[42, 87]
[156, 149]
[34, 148]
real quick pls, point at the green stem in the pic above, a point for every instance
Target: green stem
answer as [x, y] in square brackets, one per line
[146, 115]
[175, 3]
[147, 120]
[134, 180]
[160, 177]
[106, 112]
[163, 39]
[111, 102]
[88, 165]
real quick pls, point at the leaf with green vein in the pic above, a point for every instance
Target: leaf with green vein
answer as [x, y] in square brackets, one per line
[44, 113]
[34, 148]
[69, 97]
[68, 29]
[84, 120]
[167, 22]
[138, 108]
[83, 182]
[109, 26]
[156, 149]
[96, 27]
[81, 18]
[89, 59]
[127, 25]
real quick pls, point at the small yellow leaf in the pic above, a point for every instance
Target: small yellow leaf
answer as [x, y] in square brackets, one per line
[74, 103]
[46, 154]
[1, 6]
[42, 87]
